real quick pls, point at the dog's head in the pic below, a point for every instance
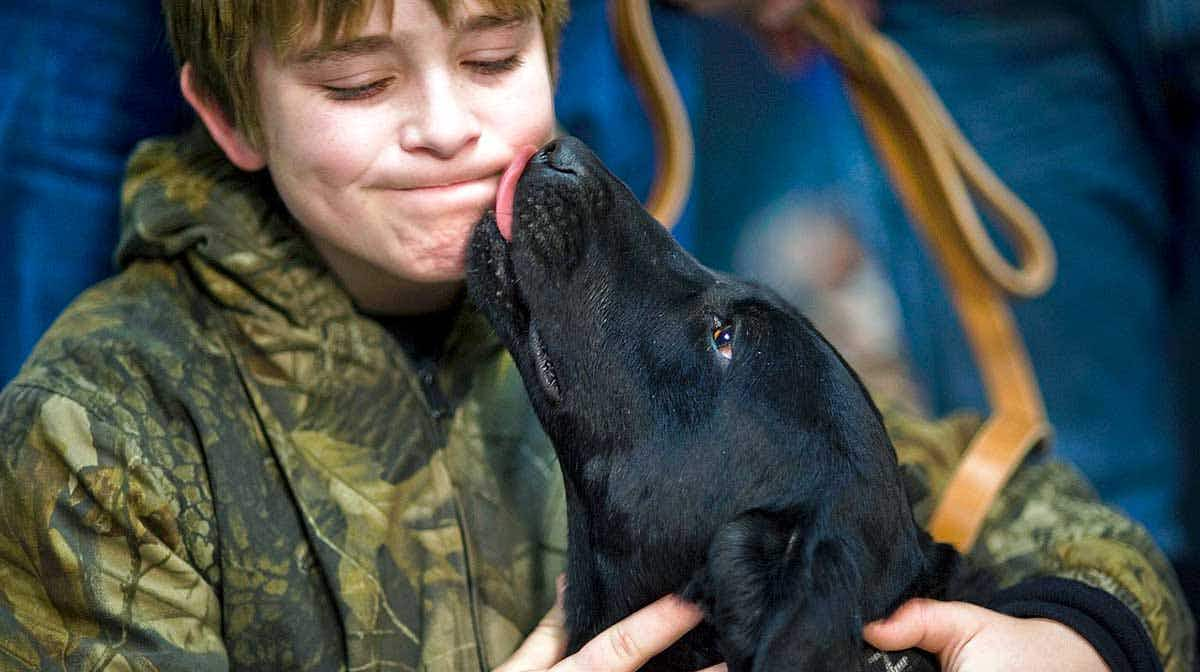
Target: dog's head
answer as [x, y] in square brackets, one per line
[699, 420]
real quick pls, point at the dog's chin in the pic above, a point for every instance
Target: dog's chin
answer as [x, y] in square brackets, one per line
[492, 281]
[493, 286]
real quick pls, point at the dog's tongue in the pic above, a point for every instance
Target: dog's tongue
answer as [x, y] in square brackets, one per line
[507, 191]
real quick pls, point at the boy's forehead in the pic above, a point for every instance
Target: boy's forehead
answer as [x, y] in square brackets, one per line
[322, 29]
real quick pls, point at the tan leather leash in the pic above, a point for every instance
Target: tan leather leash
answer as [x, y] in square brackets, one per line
[935, 172]
[674, 152]
[933, 168]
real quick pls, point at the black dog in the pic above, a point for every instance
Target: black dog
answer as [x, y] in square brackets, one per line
[713, 444]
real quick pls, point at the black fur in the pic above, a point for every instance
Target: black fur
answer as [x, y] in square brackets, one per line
[762, 487]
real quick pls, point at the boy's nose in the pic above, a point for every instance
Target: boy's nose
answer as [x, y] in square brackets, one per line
[443, 125]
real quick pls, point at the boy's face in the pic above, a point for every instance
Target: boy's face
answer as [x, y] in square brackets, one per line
[388, 148]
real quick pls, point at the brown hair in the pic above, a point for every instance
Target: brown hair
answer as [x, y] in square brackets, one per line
[217, 38]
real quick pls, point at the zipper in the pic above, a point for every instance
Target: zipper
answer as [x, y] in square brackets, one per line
[439, 406]
[439, 412]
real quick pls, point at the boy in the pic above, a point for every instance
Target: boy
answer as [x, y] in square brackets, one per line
[280, 440]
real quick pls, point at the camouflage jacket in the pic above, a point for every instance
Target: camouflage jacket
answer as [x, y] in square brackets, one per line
[212, 461]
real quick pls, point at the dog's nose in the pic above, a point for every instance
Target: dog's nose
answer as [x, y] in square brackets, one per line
[562, 155]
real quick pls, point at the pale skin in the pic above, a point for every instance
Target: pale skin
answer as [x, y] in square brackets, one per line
[624, 647]
[388, 149]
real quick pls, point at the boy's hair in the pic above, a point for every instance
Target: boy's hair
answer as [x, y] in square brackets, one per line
[217, 37]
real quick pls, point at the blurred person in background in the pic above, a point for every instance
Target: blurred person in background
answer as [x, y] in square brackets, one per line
[80, 84]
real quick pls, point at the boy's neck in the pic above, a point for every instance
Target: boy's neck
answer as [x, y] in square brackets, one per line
[399, 297]
[378, 292]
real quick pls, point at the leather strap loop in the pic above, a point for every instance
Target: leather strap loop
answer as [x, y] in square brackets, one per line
[674, 151]
[935, 171]
[871, 61]
[931, 166]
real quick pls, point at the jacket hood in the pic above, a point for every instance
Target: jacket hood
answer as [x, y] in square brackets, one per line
[183, 197]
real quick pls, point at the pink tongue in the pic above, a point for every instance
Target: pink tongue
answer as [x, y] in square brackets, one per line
[507, 190]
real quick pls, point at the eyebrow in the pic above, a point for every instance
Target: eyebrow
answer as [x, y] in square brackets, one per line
[339, 51]
[371, 44]
[481, 22]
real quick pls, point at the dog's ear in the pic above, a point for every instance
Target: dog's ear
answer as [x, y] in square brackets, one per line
[949, 576]
[783, 594]
[818, 624]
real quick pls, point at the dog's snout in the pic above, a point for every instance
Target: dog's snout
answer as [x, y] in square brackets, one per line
[542, 156]
[562, 155]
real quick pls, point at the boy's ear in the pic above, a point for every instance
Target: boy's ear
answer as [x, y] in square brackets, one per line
[232, 141]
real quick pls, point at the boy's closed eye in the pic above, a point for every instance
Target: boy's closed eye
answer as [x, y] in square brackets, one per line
[492, 67]
[360, 92]
[490, 47]
[496, 66]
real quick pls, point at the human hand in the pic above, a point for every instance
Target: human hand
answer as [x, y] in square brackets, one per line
[966, 637]
[773, 22]
[624, 647]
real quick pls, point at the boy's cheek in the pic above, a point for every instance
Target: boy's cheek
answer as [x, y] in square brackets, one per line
[333, 149]
[530, 125]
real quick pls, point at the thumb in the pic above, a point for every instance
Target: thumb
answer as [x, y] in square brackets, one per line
[937, 627]
[547, 644]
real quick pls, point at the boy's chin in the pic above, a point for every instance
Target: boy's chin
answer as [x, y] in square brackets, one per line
[431, 285]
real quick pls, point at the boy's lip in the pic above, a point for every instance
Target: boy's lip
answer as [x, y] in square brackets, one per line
[477, 194]
[450, 185]
[444, 178]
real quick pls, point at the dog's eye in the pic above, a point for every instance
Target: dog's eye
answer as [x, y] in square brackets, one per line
[722, 337]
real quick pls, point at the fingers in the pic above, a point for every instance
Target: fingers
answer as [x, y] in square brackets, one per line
[547, 643]
[930, 625]
[626, 646]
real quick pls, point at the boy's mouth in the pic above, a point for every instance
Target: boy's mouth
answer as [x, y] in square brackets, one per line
[448, 186]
